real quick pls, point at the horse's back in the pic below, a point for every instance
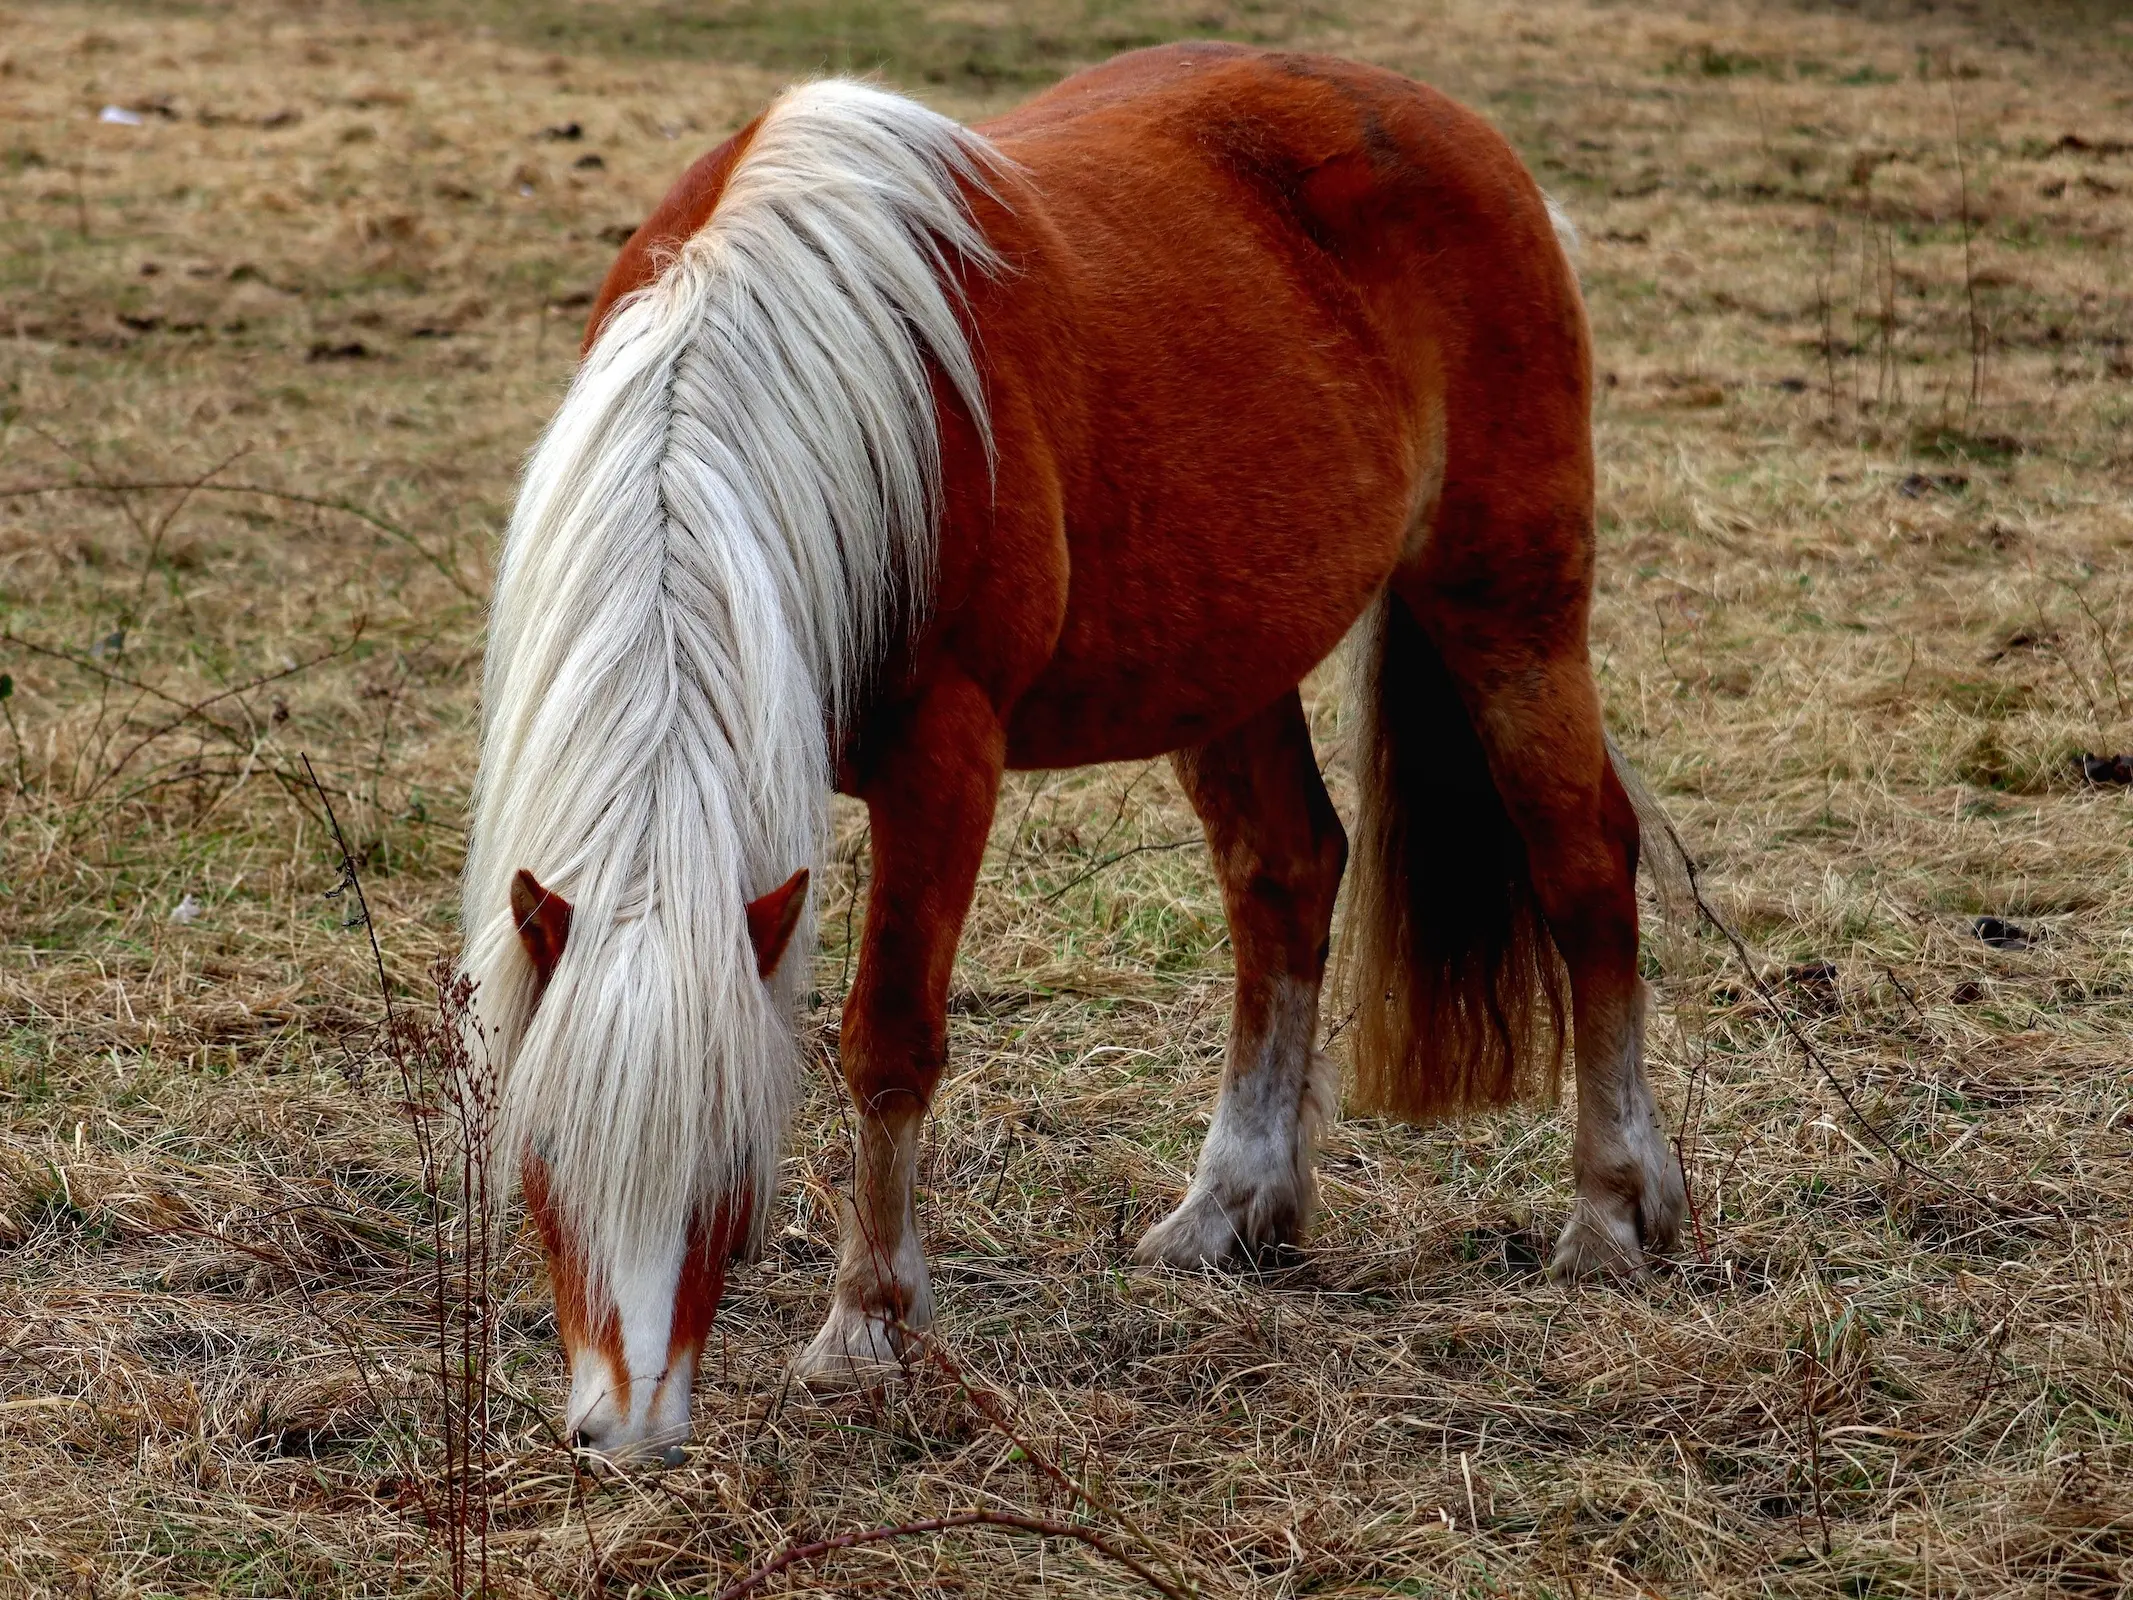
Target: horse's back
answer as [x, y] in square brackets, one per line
[1249, 288]
[1271, 326]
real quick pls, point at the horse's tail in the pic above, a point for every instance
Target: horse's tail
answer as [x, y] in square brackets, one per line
[1459, 995]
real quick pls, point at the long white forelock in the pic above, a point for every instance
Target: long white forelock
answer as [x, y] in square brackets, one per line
[732, 507]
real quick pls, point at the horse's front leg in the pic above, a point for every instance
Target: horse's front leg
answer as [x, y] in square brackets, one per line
[929, 789]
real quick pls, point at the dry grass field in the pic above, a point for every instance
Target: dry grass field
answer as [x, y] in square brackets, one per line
[1859, 278]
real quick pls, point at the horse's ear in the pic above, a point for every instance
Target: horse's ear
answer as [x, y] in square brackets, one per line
[543, 919]
[772, 918]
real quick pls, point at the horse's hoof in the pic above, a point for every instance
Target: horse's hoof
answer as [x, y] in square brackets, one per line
[854, 1351]
[1203, 1232]
[1611, 1230]
[1599, 1241]
[1663, 1206]
[1197, 1234]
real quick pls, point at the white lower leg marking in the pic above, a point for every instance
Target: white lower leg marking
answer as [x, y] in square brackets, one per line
[1630, 1191]
[881, 1271]
[1254, 1184]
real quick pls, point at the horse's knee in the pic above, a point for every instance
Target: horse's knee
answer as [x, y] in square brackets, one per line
[891, 1064]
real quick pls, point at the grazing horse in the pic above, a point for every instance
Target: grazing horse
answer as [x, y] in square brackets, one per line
[902, 454]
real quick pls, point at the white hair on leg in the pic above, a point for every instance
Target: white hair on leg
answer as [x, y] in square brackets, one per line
[1256, 1183]
[730, 510]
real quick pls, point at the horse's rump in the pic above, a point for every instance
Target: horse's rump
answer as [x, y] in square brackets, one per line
[1255, 301]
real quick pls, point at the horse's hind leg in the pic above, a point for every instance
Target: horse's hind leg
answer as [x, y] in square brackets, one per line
[1530, 693]
[1278, 849]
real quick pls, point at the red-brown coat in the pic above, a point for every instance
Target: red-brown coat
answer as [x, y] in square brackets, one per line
[1278, 339]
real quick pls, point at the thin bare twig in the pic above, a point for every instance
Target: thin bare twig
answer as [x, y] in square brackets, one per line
[187, 713]
[2103, 640]
[347, 508]
[352, 882]
[1977, 324]
[164, 522]
[1826, 313]
[1810, 1402]
[1793, 1031]
[1013, 1521]
[437, 1078]
[122, 679]
[22, 755]
[1113, 860]
[987, 1406]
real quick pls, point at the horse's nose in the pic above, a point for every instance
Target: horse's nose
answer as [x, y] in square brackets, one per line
[671, 1455]
[601, 1435]
[639, 1441]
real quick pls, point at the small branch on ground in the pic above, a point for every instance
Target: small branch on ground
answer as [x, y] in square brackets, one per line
[438, 1078]
[988, 1406]
[1978, 332]
[1793, 1031]
[187, 713]
[1113, 860]
[1012, 1521]
[347, 508]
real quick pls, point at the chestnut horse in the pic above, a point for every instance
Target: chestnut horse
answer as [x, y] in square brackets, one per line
[902, 454]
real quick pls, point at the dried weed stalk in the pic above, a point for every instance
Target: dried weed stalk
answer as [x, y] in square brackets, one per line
[448, 1096]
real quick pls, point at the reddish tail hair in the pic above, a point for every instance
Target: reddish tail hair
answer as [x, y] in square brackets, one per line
[1457, 987]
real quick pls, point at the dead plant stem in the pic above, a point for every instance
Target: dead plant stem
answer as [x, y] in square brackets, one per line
[1015, 1521]
[1977, 325]
[348, 508]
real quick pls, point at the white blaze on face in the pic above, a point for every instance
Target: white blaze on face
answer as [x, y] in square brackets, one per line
[629, 1392]
[634, 1340]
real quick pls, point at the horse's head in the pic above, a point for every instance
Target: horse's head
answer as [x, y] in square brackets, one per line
[633, 1320]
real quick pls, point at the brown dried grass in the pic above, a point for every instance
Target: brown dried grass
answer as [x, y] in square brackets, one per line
[1857, 680]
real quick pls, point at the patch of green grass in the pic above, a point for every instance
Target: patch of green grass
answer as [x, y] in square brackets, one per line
[1709, 61]
[906, 40]
[1959, 444]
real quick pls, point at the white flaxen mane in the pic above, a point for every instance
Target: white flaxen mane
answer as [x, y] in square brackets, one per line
[711, 543]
